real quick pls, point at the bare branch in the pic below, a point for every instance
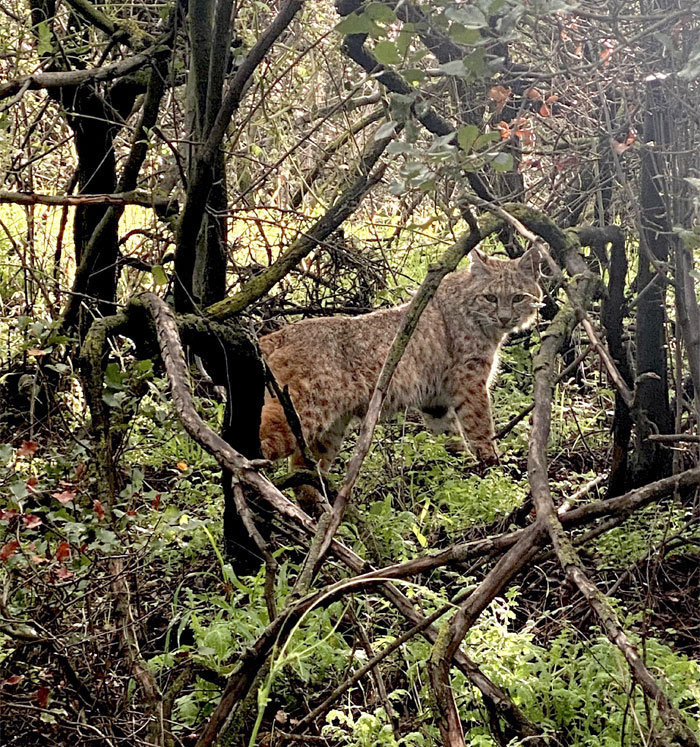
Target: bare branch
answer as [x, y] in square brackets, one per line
[74, 77]
[344, 206]
[133, 197]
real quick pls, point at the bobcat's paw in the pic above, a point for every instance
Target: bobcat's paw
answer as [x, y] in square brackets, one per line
[456, 446]
[488, 455]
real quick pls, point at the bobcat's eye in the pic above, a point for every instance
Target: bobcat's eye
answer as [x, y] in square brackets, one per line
[519, 297]
[491, 298]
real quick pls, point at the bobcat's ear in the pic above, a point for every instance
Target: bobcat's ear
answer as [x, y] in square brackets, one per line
[479, 263]
[529, 263]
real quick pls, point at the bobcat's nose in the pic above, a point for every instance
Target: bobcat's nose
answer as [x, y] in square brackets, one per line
[504, 319]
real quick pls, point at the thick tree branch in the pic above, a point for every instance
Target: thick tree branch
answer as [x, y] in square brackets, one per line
[120, 32]
[344, 206]
[164, 205]
[54, 80]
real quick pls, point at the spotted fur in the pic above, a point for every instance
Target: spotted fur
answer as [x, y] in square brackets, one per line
[331, 365]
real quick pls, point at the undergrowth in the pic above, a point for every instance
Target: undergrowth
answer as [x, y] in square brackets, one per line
[197, 614]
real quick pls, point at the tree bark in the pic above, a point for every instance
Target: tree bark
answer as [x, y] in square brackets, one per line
[652, 460]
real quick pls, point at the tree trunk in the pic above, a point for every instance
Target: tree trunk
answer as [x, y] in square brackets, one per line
[652, 460]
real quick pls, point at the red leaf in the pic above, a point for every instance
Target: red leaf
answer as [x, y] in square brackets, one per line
[545, 111]
[8, 513]
[28, 448]
[13, 679]
[39, 559]
[36, 352]
[62, 552]
[42, 696]
[98, 509]
[65, 496]
[499, 94]
[31, 521]
[619, 148]
[63, 573]
[80, 470]
[8, 550]
[131, 512]
[155, 503]
[504, 129]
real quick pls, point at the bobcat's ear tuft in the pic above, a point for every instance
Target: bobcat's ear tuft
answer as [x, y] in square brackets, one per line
[529, 263]
[479, 263]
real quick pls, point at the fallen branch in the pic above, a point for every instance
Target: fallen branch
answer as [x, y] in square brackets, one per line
[670, 438]
[677, 731]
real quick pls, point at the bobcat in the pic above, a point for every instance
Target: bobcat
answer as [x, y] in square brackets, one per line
[331, 365]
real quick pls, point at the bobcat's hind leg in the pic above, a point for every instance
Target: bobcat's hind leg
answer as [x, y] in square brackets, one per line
[326, 448]
[312, 500]
[276, 437]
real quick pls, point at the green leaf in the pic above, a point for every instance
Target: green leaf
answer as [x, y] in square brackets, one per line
[114, 377]
[690, 239]
[502, 162]
[388, 129]
[422, 541]
[354, 24]
[464, 35]
[159, 276]
[691, 71]
[380, 12]
[45, 38]
[387, 53]
[19, 489]
[110, 399]
[414, 75]
[455, 67]
[476, 61]
[468, 15]
[398, 147]
[144, 367]
[486, 139]
[466, 136]
[403, 42]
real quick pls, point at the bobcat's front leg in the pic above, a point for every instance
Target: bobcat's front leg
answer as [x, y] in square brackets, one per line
[468, 385]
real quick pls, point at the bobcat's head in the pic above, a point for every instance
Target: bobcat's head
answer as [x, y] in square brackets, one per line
[506, 292]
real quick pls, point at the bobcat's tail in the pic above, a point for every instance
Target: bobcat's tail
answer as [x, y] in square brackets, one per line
[276, 437]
